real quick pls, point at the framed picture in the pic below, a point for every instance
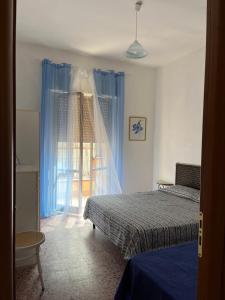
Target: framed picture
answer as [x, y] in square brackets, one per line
[137, 128]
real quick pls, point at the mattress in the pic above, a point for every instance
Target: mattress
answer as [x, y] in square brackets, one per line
[144, 221]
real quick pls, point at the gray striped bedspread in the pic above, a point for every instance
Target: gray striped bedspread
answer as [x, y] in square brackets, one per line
[143, 221]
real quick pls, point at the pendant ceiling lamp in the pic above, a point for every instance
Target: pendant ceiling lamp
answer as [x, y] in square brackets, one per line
[136, 50]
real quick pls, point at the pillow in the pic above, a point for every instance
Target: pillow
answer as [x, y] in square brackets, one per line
[184, 192]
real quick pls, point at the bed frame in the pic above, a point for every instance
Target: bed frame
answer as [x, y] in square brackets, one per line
[188, 175]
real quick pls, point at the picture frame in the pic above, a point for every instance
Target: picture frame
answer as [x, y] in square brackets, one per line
[137, 128]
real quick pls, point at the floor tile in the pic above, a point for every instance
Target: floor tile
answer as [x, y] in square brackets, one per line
[78, 263]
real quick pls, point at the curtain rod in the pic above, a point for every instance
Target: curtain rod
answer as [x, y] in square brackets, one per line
[82, 68]
[76, 93]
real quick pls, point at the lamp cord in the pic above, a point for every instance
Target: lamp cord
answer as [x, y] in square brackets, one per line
[136, 25]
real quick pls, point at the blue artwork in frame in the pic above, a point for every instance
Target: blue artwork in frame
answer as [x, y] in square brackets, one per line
[137, 128]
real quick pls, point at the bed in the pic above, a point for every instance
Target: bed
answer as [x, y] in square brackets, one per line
[150, 220]
[166, 274]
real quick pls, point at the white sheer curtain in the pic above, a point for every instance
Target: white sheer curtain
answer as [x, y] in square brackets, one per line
[69, 145]
[88, 147]
[106, 178]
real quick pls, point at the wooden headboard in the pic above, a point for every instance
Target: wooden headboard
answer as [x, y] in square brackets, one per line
[188, 175]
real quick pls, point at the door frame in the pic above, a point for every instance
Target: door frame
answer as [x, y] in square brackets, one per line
[212, 264]
[7, 150]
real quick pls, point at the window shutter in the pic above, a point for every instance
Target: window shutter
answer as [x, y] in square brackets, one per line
[88, 119]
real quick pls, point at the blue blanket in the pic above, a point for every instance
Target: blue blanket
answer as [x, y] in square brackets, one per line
[167, 274]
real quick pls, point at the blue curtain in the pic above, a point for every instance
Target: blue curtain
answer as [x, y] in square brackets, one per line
[110, 91]
[54, 113]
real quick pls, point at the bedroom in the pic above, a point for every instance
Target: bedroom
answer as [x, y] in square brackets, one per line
[165, 89]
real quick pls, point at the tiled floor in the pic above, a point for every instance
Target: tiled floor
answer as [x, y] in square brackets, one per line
[78, 263]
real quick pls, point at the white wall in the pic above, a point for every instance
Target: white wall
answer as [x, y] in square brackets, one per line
[178, 115]
[27, 137]
[139, 100]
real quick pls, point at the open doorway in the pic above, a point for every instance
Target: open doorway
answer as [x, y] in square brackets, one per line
[215, 54]
[82, 179]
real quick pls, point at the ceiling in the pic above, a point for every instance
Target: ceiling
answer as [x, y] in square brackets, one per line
[168, 29]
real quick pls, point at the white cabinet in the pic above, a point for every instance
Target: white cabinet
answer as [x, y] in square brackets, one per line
[27, 198]
[27, 207]
[27, 177]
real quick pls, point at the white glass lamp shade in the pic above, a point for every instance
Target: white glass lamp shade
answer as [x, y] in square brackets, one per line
[136, 51]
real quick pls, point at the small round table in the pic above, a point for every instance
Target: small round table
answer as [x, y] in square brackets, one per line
[31, 240]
